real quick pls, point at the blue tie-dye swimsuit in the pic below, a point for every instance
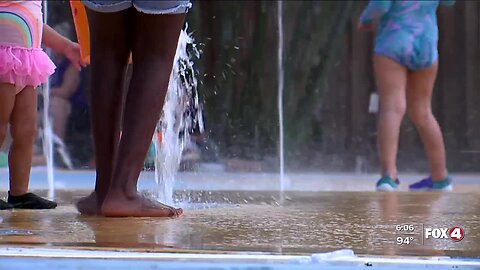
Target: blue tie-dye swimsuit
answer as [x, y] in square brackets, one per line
[407, 32]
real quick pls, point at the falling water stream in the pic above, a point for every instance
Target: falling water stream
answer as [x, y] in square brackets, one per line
[284, 183]
[47, 127]
[181, 113]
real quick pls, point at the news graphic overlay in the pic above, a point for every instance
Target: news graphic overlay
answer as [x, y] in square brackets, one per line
[407, 234]
[455, 233]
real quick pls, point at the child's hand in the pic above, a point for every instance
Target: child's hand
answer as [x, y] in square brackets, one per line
[62, 45]
[366, 27]
[72, 53]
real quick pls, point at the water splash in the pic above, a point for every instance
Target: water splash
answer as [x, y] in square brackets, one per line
[62, 151]
[181, 113]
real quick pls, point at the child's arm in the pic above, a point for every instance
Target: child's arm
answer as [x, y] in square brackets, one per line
[375, 10]
[62, 45]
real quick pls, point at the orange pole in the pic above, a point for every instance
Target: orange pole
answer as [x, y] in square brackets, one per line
[80, 20]
[81, 27]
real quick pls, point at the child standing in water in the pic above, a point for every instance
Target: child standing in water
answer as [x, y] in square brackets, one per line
[149, 30]
[406, 64]
[23, 67]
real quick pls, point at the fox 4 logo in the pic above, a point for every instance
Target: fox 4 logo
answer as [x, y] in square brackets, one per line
[456, 234]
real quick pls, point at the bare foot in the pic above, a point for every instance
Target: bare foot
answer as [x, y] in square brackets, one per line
[88, 205]
[120, 205]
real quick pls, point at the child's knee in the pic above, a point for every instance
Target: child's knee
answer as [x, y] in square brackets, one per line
[397, 108]
[419, 115]
[24, 133]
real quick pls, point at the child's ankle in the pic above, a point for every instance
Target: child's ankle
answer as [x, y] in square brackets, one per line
[17, 193]
[446, 178]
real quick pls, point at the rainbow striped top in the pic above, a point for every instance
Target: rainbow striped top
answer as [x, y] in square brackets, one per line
[21, 23]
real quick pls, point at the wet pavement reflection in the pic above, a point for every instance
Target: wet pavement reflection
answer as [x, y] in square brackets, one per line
[306, 222]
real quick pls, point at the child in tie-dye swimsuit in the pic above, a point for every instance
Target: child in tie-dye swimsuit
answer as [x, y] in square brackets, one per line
[23, 67]
[406, 63]
[408, 31]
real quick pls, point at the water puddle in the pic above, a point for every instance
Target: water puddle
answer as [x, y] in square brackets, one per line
[10, 232]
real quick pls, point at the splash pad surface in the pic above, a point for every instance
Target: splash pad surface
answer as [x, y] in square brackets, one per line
[247, 229]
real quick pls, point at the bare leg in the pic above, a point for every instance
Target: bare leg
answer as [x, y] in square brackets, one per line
[7, 101]
[110, 48]
[391, 79]
[419, 96]
[60, 110]
[155, 41]
[23, 123]
[23, 129]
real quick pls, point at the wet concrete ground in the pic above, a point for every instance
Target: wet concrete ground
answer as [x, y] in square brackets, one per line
[218, 181]
[225, 221]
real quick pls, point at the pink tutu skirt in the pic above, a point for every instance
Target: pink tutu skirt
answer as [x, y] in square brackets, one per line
[24, 66]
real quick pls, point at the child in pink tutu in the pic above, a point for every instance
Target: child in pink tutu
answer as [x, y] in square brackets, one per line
[23, 67]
